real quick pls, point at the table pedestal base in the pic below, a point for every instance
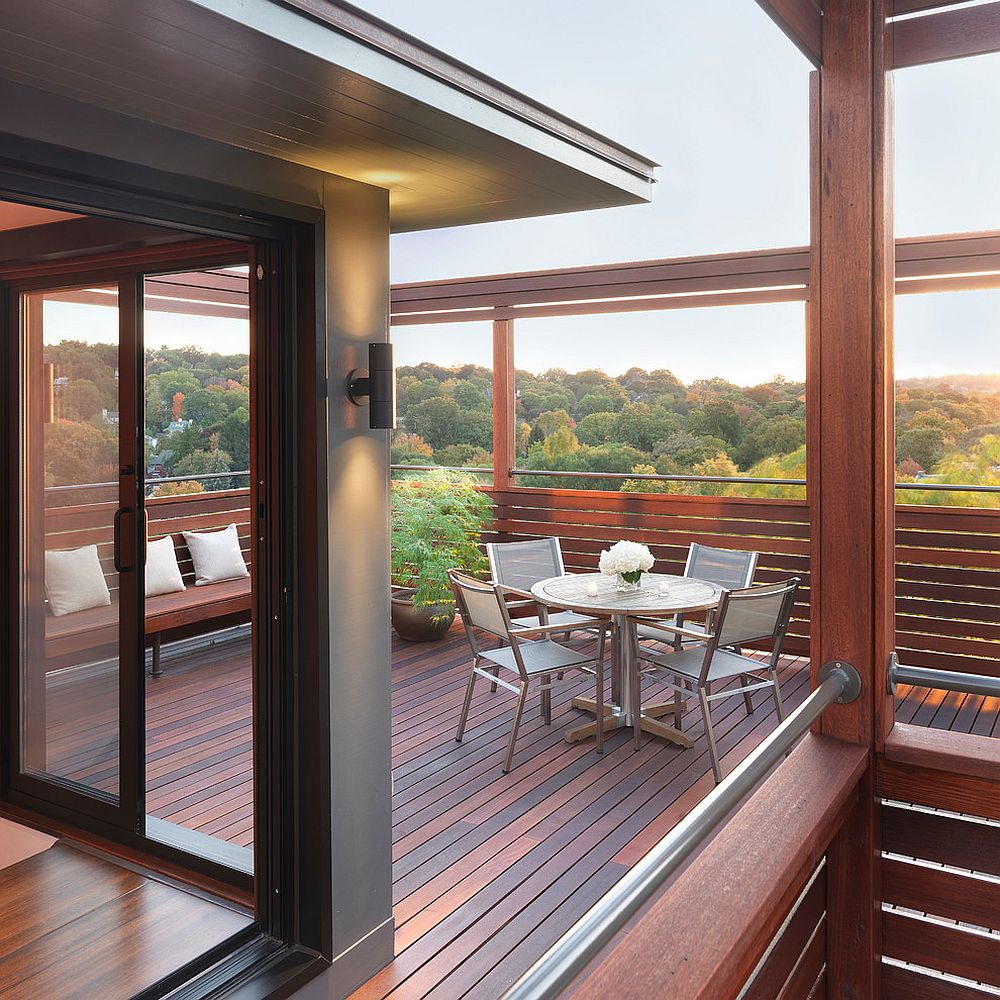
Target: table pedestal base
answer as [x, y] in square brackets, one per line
[614, 719]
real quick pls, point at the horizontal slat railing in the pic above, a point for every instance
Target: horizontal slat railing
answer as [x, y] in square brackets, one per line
[947, 558]
[940, 872]
[589, 521]
[948, 588]
[91, 524]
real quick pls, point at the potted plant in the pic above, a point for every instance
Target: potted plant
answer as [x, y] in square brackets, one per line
[437, 520]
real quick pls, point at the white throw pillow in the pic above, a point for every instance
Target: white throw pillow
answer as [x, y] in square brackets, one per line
[163, 575]
[74, 580]
[216, 555]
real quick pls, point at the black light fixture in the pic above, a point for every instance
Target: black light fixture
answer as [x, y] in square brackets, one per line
[378, 384]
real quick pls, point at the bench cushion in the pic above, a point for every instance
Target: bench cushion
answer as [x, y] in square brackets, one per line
[74, 581]
[163, 575]
[216, 555]
[98, 626]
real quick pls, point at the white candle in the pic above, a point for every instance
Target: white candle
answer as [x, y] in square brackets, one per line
[664, 587]
[592, 588]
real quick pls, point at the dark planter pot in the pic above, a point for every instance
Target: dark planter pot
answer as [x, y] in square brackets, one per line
[419, 624]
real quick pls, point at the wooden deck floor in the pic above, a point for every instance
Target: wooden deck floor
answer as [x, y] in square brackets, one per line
[199, 738]
[488, 869]
[960, 713]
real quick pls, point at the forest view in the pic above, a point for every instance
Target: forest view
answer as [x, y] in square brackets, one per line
[947, 429]
[197, 416]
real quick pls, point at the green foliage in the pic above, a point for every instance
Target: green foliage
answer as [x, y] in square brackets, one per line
[592, 422]
[82, 400]
[201, 463]
[234, 437]
[205, 407]
[78, 452]
[437, 520]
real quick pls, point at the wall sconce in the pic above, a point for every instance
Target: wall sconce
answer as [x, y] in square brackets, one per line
[378, 384]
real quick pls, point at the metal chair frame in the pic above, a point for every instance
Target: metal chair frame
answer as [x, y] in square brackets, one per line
[523, 643]
[713, 641]
[696, 553]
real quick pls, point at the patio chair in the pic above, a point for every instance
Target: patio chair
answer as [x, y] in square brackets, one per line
[518, 566]
[751, 615]
[730, 569]
[529, 654]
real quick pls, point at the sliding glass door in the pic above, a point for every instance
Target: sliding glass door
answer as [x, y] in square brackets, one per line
[76, 537]
[134, 538]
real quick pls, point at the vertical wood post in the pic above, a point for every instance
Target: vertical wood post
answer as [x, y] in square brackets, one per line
[504, 450]
[854, 567]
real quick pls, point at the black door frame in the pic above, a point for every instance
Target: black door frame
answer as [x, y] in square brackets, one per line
[292, 885]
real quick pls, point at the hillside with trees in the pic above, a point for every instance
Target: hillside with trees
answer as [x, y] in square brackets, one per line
[948, 430]
[197, 417]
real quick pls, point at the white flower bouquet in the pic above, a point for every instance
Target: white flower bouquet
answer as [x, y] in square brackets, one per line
[628, 561]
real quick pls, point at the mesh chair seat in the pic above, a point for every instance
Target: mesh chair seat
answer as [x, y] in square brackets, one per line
[541, 657]
[689, 662]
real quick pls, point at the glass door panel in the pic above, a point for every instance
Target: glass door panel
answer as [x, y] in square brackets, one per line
[77, 531]
[199, 502]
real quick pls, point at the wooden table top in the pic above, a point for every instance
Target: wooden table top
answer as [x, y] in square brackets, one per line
[684, 595]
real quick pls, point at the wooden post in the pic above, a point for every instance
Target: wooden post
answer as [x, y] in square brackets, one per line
[853, 571]
[504, 449]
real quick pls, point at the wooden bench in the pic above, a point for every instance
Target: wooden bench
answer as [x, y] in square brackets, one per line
[169, 616]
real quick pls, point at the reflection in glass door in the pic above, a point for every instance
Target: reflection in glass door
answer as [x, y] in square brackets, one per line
[76, 537]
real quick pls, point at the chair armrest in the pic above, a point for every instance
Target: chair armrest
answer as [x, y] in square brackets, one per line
[541, 630]
[513, 591]
[674, 629]
[522, 604]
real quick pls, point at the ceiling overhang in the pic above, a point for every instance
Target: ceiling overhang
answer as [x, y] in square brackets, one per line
[322, 85]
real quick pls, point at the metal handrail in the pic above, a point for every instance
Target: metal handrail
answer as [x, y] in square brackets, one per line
[838, 682]
[441, 468]
[941, 680]
[203, 477]
[745, 480]
[657, 478]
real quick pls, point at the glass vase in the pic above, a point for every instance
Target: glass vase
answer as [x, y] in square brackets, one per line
[629, 581]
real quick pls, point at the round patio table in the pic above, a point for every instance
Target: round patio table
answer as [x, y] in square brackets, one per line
[683, 595]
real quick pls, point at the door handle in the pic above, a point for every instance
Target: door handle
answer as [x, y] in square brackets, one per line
[119, 568]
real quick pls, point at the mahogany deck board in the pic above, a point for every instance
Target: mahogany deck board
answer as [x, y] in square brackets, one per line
[199, 738]
[488, 869]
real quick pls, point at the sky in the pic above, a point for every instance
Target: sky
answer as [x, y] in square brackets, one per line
[99, 324]
[715, 93]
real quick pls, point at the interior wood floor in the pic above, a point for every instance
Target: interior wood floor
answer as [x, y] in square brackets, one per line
[73, 925]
